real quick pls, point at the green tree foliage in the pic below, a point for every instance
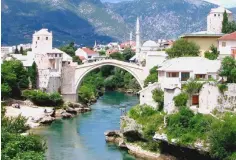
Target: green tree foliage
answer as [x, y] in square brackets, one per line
[128, 53]
[183, 48]
[212, 54]
[102, 53]
[15, 146]
[14, 78]
[192, 87]
[70, 50]
[158, 96]
[117, 56]
[228, 27]
[42, 98]
[181, 99]
[86, 93]
[152, 77]
[223, 138]
[188, 127]
[33, 73]
[228, 69]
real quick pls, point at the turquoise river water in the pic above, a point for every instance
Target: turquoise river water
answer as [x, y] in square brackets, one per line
[82, 137]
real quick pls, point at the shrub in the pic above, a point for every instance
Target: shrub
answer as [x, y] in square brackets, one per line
[222, 88]
[223, 138]
[181, 100]
[158, 96]
[42, 98]
[152, 77]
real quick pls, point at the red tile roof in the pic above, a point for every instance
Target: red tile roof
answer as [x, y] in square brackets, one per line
[88, 51]
[231, 36]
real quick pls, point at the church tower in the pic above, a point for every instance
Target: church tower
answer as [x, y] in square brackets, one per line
[137, 39]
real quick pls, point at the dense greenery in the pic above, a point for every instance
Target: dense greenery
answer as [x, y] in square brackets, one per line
[228, 27]
[188, 127]
[128, 53]
[117, 56]
[183, 48]
[14, 78]
[222, 88]
[152, 77]
[192, 87]
[42, 98]
[15, 146]
[106, 77]
[223, 138]
[158, 96]
[228, 69]
[181, 99]
[212, 54]
[70, 50]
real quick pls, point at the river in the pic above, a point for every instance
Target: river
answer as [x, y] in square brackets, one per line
[82, 137]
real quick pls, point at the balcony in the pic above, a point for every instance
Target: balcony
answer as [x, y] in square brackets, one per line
[172, 82]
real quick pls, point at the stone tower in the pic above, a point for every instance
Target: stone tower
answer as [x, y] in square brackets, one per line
[215, 18]
[42, 41]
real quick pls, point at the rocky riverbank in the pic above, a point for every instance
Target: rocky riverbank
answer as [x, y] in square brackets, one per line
[37, 115]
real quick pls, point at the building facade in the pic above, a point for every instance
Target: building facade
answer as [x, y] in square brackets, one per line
[227, 45]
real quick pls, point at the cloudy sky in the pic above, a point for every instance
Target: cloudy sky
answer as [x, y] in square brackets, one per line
[225, 3]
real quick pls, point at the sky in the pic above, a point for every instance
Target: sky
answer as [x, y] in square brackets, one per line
[225, 3]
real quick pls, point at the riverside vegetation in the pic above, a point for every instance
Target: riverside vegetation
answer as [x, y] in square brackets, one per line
[15, 146]
[219, 135]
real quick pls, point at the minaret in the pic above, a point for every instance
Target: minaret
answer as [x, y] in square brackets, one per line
[95, 44]
[130, 38]
[137, 38]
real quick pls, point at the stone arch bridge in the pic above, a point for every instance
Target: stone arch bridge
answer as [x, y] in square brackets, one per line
[72, 76]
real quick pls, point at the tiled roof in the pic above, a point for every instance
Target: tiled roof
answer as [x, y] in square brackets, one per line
[81, 58]
[88, 51]
[231, 36]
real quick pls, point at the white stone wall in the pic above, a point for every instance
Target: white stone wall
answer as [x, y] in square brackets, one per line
[226, 51]
[145, 95]
[210, 98]
[169, 95]
[54, 84]
[42, 43]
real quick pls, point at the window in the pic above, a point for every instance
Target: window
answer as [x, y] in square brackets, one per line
[185, 76]
[218, 15]
[38, 38]
[215, 15]
[173, 74]
[46, 38]
[89, 56]
[223, 44]
[59, 55]
[200, 76]
[55, 55]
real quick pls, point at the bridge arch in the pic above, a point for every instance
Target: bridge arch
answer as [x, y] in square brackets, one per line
[110, 63]
[72, 76]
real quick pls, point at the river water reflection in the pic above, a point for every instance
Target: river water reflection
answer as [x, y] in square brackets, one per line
[82, 137]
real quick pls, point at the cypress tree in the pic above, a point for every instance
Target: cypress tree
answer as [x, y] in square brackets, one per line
[16, 50]
[21, 50]
[33, 73]
[225, 23]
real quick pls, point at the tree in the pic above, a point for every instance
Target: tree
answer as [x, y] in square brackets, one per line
[69, 49]
[225, 23]
[33, 73]
[212, 54]
[181, 100]
[21, 50]
[158, 96]
[16, 50]
[228, 27]
[117, 56]
[15, 76]
[183, 48]
[102, 53]
[228, 69]
[77, 59]
[152, 77]
[128, 53]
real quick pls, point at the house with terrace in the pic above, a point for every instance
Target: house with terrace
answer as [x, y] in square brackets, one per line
[174, 73]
